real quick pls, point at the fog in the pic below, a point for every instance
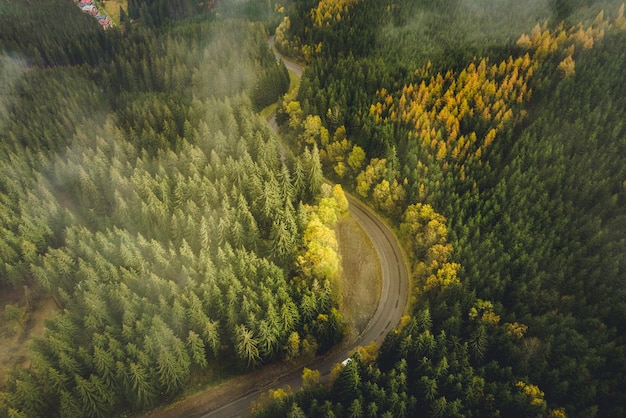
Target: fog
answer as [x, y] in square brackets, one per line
[420, 32]
[225, 67]
[482, 22]
[11, 70]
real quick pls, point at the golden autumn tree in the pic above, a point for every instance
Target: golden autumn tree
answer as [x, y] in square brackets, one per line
[567, 67]
[329, 11]
[455, 117]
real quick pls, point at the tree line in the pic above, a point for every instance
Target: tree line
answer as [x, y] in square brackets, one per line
[146, 198]
[498, 163]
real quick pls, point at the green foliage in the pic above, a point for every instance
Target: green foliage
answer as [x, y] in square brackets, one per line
[159, 12]
[516, 247]
[31, 30]
[271, 85]
[142, 192]
[14, 313]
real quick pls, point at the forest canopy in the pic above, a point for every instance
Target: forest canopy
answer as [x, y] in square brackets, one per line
[492, 138]
[144, 197]
[146, 201]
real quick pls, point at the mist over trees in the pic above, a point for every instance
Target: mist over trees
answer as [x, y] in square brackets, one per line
[142, 193]
[144, 197]
[492, 140]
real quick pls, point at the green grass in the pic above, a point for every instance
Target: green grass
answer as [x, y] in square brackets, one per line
[294, 81]
[294, 84]
[112, 9]
[267, 111]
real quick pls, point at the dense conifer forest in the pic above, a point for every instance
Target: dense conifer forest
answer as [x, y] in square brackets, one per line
[145, 200]
[144, 197]
[491, 134]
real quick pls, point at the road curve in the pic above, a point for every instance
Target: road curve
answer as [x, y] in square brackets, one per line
[391, 306]
[291, 65]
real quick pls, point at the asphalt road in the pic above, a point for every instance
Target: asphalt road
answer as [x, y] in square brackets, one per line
[291, 66]
[391, 306]
[393, 300]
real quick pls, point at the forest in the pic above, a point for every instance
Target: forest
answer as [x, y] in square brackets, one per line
[491, 136]
[145, 200]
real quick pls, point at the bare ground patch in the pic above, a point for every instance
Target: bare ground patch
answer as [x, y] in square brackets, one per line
[361, 276]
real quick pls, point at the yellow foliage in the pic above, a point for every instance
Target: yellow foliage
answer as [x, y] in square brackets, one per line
[442, 152]
[284, 42]
[319, 258]
[434, 110]
[340, 169]
[340, 198]
[278, 393]
[310, 377]
[295, 114]
[279, 37]
[557, 413]
[314, 131]
[328, 11]
[373, 173]
[524, 42]
[491, 317]
[368, 353]
[293, 345]
[334, 373]
[335, 152]
[532, 391]
[356, 158]
[445, 277]
[516, 330]
[327, 211]
[403, 322]
[489, 138]
[382, 195]
[438, 254]
[567, 67]
[267, 398]
[483, 311]
[620, 21]
[424, 233]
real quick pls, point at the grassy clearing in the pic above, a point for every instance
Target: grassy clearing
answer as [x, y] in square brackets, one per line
[267, 111]
[362, 278]
[294, 84]
[294, 81]
[112, 8]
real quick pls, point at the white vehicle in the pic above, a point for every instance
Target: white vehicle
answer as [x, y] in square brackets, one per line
[346, 361]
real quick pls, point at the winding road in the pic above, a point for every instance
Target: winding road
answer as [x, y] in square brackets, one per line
[291, 66]
[391, 306]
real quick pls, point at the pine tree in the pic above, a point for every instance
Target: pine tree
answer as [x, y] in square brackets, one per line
[347, 385]
[196, 349]
[356, 410]
[142, 389]
[93, 396]
[315, 175]
[13, 313]
[26, 396]
[247, 346]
